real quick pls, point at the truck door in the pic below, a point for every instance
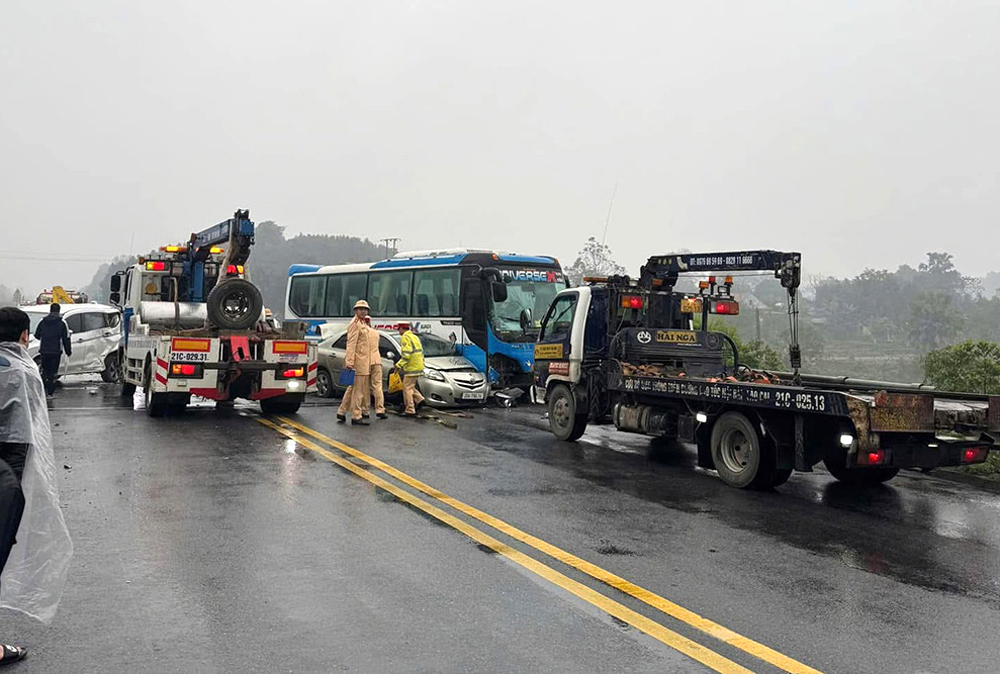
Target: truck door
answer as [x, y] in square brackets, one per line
[554, 347]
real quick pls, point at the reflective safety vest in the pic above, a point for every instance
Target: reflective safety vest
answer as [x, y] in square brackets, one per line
[412, 360]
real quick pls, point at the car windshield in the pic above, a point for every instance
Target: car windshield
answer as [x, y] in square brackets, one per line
[435, 346]
[529, 294]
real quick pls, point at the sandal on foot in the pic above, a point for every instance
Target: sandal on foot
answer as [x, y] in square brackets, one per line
[12, 654]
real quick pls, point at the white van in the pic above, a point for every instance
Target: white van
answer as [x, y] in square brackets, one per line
[95, 336]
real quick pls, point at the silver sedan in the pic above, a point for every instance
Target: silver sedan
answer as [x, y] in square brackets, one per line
[449, 380]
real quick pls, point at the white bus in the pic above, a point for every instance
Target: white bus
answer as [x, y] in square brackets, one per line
[490, 305]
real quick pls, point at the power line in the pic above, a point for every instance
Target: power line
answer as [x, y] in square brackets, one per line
[607, 220]
[47, 257]
[387, 241]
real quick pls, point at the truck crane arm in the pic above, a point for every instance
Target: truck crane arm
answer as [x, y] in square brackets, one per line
[787, 268]
[666, 268]
[237, 233]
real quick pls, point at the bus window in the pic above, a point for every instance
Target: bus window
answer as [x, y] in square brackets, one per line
[342, 291]
[435, 292]
[307, 295]
[390, 293]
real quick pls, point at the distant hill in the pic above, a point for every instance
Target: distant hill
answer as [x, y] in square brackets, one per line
[272, 255]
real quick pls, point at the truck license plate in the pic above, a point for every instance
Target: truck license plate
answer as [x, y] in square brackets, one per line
[472, 396]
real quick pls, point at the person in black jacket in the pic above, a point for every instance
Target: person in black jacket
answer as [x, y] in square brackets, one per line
[53, 336]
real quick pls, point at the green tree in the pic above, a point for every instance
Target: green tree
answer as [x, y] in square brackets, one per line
[972, 367]
[933, 320]
[755, 354]
[595, 259]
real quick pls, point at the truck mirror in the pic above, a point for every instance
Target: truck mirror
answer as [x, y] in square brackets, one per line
[116, 283]
[499, 290]
[116, 297]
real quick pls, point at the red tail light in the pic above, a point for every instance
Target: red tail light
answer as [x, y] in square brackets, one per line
[156, 266]
[873, 457]
[974, 454]
[726, 307]
[185, 370]
[293, 373]
[631, 302]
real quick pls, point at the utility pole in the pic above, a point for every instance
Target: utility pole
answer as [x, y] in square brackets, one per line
[387, 241]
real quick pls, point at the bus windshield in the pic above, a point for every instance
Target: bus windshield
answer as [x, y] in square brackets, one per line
[529, 294]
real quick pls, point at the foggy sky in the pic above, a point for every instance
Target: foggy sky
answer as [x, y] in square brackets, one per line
[861, 133]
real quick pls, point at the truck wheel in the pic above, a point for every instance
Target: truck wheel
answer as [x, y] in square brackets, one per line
[835, 461]
[154, 405]
[324, 383]
[565, 422]
[740, 458]
[279, 406]
[235, 304]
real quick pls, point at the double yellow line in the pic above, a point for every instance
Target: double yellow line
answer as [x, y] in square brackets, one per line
[302, 434]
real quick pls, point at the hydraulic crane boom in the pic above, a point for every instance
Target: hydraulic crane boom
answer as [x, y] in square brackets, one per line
[237, 232]
[787, 268]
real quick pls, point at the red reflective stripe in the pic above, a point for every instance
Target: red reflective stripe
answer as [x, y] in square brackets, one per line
[162, 363]
[310, 382]
[160, 378]
[267, 393]
[210, 393]
[313, 366]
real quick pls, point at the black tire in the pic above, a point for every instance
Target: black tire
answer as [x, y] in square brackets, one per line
[740, 456]
[112, 369]
[835, 462]
[279, 406]
[234, 304]
[324, 383]
[565, 422]
[154, 406]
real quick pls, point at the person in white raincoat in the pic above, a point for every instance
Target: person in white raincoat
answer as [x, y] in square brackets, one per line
[34, 574]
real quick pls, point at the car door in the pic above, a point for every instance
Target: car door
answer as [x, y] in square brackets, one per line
[72, 364]
[96, 336]
[389, 352]
[338, 354]
[111, 337]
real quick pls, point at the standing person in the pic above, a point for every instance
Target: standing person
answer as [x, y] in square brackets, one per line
[53, 334]
[34, 572]
[360, 337]
[411, 362]
[375, 374]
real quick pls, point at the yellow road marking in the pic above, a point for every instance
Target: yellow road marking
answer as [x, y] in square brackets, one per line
[678, 642]
[713, 629]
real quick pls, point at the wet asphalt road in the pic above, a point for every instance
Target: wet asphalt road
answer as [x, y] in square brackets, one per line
[210, 543]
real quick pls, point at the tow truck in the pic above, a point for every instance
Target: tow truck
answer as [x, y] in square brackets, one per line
[194, 324]
[629, 350]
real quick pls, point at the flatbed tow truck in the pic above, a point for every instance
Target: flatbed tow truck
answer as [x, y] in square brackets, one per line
[195, 325]
[627, 350]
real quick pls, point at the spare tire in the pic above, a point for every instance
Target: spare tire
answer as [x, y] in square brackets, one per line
[234, 304]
